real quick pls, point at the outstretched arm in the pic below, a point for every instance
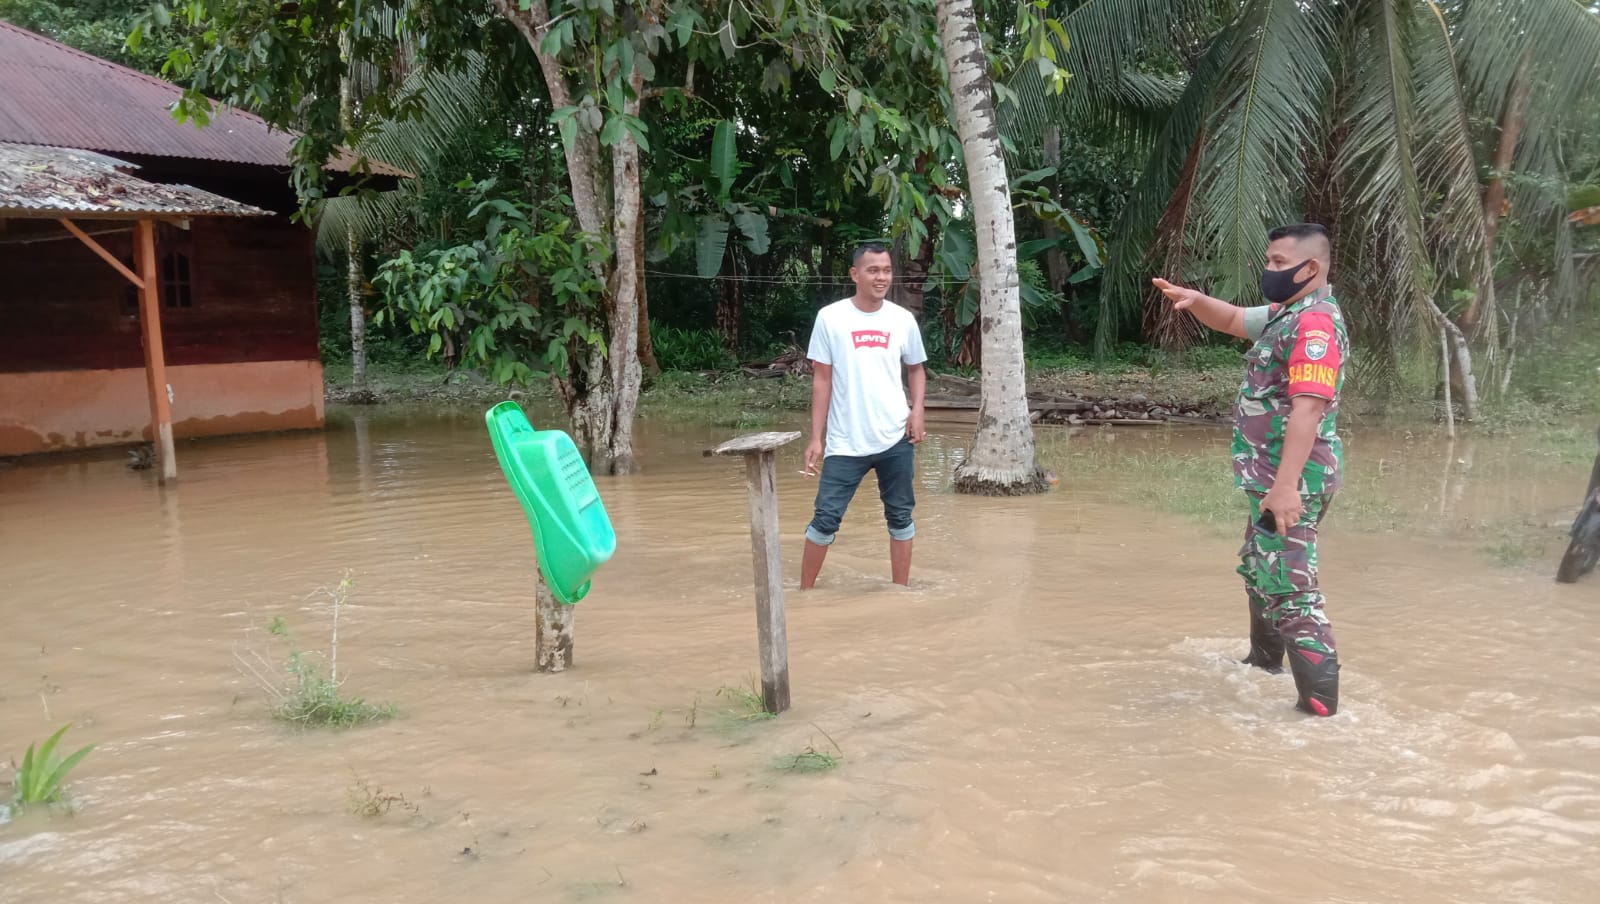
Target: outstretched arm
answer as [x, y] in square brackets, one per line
[1213, 312]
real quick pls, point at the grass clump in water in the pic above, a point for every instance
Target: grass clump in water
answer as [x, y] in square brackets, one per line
[744, 704]
[812, 760]
[808, 760]
[370, 801]
[40, 780]
[304, 694]
[1514, 549]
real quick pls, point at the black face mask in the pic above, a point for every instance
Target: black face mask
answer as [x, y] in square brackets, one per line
[1280, 285]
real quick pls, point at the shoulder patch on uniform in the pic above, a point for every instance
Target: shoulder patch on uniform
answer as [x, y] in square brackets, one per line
[1316, 349]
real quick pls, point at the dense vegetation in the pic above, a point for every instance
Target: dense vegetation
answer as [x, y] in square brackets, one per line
[1452, 147]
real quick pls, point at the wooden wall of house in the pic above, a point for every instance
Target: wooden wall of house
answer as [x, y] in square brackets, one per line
[251, 296]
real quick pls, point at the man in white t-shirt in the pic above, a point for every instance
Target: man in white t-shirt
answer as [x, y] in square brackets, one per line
[858, 402]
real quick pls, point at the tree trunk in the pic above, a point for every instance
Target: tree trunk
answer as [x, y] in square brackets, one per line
[1164, 325]
[359, 392]
[1055, 261]
[601, 387]
[829, 264]
[1002, 460]
[1058, 269]
[626, 374]
[911, 276]
[730, 302]
[1494, 195]
[647, 345]
[589, 198]
[1462, 364]
[1449, 403]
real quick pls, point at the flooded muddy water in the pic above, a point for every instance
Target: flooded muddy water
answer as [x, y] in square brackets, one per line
[1052, 712]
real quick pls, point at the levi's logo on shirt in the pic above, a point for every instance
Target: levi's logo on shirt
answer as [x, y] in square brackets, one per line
[869, 338]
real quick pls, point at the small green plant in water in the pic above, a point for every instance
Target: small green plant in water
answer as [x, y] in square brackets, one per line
[745, 704]
[40, 778]
[811, 759]
[309, 697]
[1512, 550]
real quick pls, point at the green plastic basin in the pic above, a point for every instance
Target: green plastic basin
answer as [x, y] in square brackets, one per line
[572, 534]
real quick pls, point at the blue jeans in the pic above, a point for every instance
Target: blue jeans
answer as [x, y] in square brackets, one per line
[842, 474]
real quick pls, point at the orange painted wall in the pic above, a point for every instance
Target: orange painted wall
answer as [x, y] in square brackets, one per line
[51, 411]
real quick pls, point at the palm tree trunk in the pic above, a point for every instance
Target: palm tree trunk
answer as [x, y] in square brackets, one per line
[1057, 270]
[730, 301]
[1002, 460]
[1457, 343]
[352, 243]
[1494, 195]
[359, 391]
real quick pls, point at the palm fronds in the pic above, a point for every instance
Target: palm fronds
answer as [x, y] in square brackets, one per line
[1266, 110]
[1160, 197]
[449, 103]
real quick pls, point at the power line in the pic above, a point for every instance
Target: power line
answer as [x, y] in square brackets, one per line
[791, 280]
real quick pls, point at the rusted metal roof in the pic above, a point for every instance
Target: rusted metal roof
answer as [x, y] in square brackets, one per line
[37, 181]
[51, 94]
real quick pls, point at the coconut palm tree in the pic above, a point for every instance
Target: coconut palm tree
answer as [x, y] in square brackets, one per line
[1353, 113]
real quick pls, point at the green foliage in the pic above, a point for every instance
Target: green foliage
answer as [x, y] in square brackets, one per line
[303, 692]
[519, 301]
[744, 703]
[316, 700]
[809, 760]
[681, 349]
[41, 777]
[98, 27]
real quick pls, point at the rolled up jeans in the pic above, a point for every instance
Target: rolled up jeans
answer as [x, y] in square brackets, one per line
[842, 474]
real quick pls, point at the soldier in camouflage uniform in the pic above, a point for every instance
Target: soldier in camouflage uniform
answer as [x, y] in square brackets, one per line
[1287, 456]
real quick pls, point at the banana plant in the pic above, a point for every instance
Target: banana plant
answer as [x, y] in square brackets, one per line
[954, 278]
[707, 212]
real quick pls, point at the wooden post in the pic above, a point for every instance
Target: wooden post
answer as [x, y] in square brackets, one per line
[552, 621]
[761, 483]
[155, 361]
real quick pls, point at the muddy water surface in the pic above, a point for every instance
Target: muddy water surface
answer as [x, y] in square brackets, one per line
[1051, 713]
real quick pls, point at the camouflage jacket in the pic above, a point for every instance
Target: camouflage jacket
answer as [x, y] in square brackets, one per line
[1300, 349]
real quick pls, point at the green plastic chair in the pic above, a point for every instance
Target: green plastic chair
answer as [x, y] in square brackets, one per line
[572, 534]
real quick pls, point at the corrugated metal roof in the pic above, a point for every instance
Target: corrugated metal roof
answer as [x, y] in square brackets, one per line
[51, 94]
[44, 181]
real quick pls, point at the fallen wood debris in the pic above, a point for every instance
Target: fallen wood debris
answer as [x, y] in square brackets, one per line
[956, 398]
[792, 361]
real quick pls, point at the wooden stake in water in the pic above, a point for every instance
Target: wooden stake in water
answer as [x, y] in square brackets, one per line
[761, 484]
[553, 628]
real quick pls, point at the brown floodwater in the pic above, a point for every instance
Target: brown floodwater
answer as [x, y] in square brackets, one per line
[1052, 712]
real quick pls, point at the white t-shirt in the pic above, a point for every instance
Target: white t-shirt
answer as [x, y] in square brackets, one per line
[868, 411]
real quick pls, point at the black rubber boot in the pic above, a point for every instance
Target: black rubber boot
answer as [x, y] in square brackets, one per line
[1266, 646]
[1316, 679]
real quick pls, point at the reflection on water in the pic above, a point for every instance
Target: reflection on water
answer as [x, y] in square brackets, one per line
[1051, 713]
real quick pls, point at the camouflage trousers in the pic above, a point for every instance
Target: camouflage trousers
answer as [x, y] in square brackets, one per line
[1280, 577]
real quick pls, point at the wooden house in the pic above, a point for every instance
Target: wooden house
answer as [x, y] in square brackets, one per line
[152, 284]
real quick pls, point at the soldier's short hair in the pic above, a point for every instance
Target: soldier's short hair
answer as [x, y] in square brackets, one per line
[1304, 233]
